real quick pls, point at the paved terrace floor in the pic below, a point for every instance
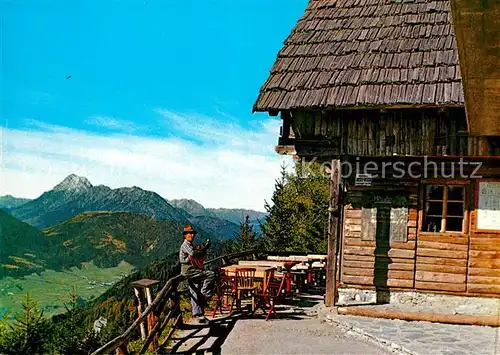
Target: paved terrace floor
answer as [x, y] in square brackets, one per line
[298, 330]
[421, 338]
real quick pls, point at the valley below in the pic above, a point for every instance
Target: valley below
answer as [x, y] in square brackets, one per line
[89, 238]
[52, 288]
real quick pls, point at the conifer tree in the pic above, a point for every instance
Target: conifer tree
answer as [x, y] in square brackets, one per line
[3, 333]
[276, 226]
[67, 335]
[247, 238]
[298, 216]
[29, 332]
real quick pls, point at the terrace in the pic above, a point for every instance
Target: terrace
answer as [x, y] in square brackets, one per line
[277, 287]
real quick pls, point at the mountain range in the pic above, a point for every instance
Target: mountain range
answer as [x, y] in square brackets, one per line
[24, 248]
[77, 222]
[9, 201]
[108, 238]
[234, 215]
[75, 194]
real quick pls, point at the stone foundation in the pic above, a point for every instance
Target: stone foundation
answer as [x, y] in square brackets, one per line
[423, 302]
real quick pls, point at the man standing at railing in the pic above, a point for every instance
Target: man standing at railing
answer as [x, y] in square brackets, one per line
[191, 258]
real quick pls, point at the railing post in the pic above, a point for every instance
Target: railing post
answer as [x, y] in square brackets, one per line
[152, 320]
[139, 296]
[143, 293]
[176, 306]
[142, 289]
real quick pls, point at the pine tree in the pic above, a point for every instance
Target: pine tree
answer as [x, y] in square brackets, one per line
[297, 219]
[4, 331]
[67, 335]
[247, 238]
[29, 332]
[311, 208]
[276, 225]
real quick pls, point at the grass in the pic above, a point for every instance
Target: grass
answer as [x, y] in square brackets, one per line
[51, 288]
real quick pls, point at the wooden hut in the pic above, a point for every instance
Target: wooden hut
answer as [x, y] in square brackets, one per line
[375, 86]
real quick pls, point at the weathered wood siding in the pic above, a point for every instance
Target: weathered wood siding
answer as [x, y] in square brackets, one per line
[414, 132]
[462, 263]
[441, 262]
[371, 263]
[483, 274]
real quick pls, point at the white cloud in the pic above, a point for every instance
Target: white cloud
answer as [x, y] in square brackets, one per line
[227, 166]
[112, 123]
[225, 133]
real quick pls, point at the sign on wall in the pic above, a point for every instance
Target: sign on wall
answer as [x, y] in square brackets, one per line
[488, 205]
[363, 180]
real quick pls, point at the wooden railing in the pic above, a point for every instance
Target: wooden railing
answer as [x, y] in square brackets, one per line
[152, 313]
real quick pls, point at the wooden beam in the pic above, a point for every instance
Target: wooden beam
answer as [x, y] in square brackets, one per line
[152, 320]
[492, 321]
[333, 224]
[285, 150]
[139, 296]
[285, 122]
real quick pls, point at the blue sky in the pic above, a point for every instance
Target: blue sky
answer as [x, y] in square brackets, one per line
[160, 95]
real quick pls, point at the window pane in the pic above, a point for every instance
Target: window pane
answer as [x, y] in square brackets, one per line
[455, 209]
[434, 208]
[432, 224]
[434, 192]
[454, 224]
[455, 193]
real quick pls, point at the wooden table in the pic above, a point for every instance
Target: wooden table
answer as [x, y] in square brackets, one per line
[261, 272]
[317, 257]
[299, 258]
[300, 267]
[318, 265]
[268, 263]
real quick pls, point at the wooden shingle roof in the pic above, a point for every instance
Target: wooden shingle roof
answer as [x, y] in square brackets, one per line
[367, 53]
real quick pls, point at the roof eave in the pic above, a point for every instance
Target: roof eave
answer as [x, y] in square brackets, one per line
[395, 106]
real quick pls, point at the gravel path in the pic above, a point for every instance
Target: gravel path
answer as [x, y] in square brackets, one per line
[305, 336]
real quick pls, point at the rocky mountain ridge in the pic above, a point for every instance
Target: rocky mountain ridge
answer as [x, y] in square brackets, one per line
[76, 195]
[9, 201]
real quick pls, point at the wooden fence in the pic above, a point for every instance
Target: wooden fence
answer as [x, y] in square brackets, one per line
[152, 313]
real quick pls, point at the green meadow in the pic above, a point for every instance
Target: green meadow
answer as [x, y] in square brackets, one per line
[51, 288]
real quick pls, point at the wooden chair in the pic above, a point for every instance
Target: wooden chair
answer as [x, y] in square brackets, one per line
[245, 283]
[267, 298]
[225, 286]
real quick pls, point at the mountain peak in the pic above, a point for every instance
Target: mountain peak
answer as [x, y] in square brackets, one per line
[192, 207]
[73, 182]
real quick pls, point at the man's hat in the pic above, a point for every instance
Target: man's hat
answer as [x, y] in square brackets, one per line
[189, 230]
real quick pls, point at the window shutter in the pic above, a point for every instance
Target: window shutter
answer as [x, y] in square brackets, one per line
[368, 224]
[399, 225]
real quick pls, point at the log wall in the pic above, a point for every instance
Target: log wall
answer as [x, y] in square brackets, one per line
[441, 262]
[415, 132]
[460, 263]
[483, 274]
[371, 264]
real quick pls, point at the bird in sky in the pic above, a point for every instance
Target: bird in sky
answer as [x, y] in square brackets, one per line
[68, 77]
